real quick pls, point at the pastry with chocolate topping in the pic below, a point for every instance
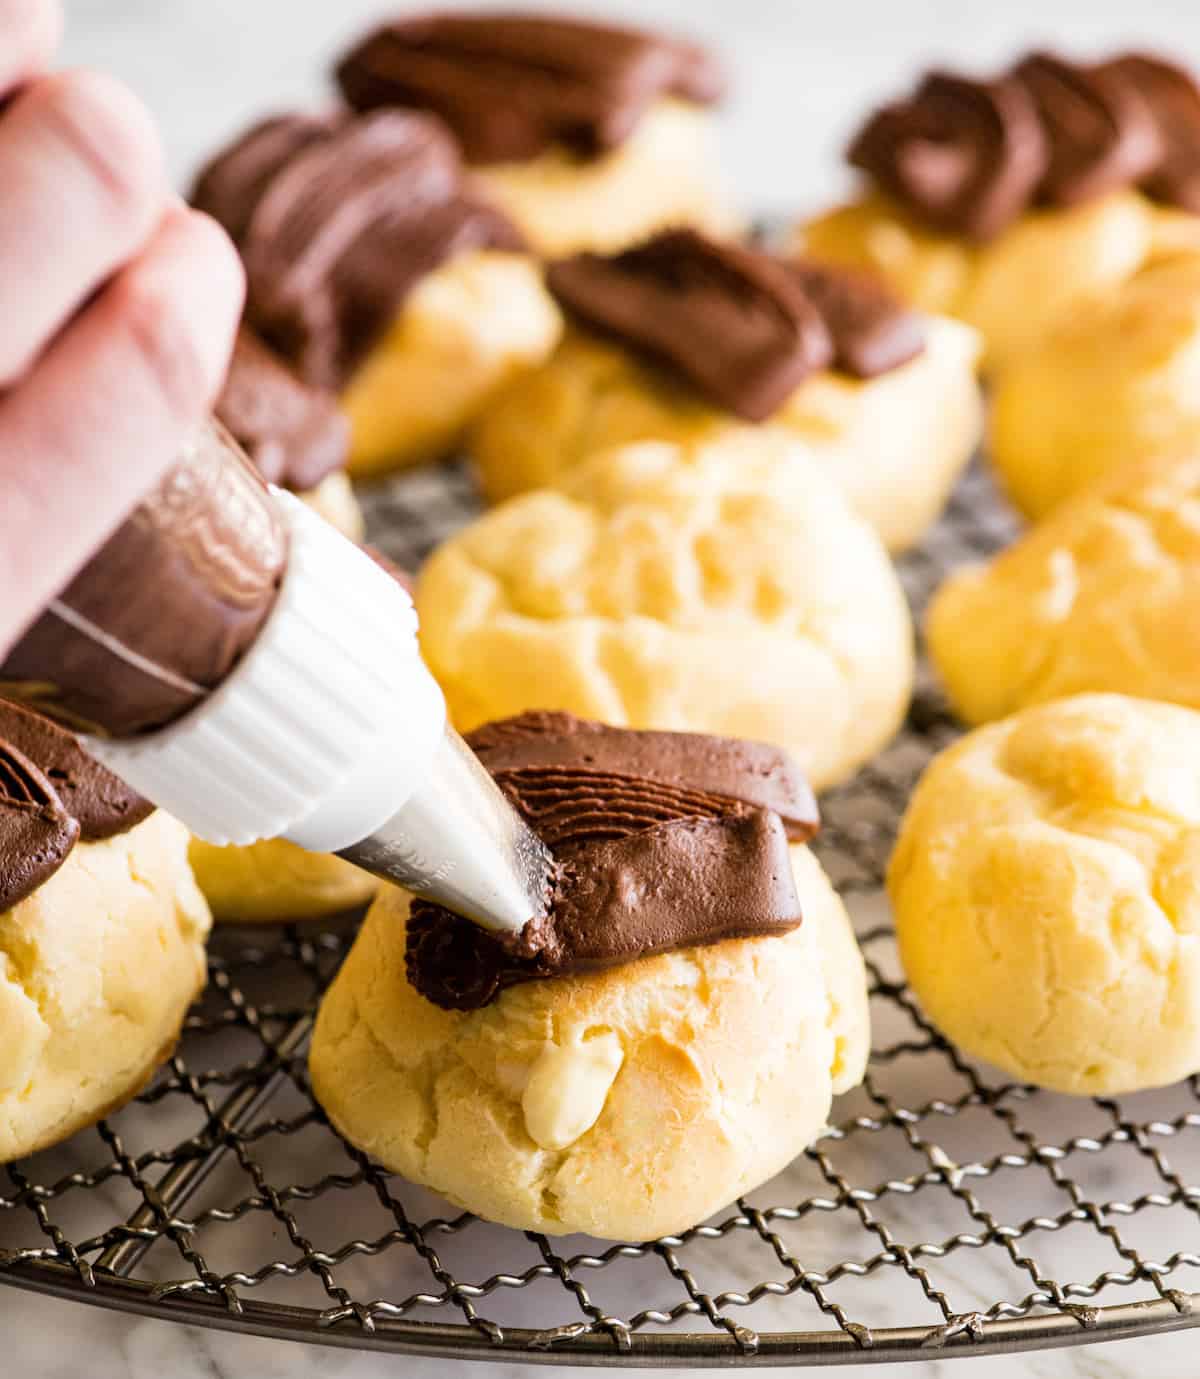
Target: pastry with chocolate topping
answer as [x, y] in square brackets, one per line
[589, 135]
[296, 435]
[683, 338]
[102, 935]
[673, 1035]
[375, 270]
[1011, 202]
[717, 588]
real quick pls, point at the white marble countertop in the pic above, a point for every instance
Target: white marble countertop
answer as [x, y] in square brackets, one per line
[804, 73]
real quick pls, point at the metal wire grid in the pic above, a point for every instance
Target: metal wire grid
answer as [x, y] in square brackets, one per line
[945, 1211]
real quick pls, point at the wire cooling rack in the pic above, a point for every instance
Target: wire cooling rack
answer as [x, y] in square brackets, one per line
[946, 1211]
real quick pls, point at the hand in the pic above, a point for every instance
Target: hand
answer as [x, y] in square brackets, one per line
[117, 312]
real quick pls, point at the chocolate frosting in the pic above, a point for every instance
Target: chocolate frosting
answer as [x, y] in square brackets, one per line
[872, 332]
[36, 832]
[512, 85]
[337, 221]
[661, 841]
[101, 803]
[166, 608]
[1100, 134]
[1173, 99]
[295, 434]
[969, 157]
[744, 328]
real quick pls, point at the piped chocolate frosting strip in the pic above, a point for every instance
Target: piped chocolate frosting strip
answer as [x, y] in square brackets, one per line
[511, 86]
[52, 795]
[969, 157]
[337, 220]
[743, 327]
[661, 841]
[295, 434]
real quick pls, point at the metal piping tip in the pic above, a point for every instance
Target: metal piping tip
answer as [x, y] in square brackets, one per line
[460, 843]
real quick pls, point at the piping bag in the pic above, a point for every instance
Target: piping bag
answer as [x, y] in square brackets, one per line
[244, 666]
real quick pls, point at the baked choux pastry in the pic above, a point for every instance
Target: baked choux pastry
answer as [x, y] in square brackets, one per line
[668, 340]
[588, 136]
[1100, 596]
[102, 936]
[377, 273]
[1046, 887]
[1119, 382]
[1012, 203]
[296, 435]
[659, 1044]
[725, 589]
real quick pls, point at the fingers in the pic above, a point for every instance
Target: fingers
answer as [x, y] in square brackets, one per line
[29, 34]
[84, 185]
[110, 405]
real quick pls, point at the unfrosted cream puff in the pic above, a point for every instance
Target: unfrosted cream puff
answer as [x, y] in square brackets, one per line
[1011, 203]
[587, 135]
[658, 1045]
[1119, 383]
[1100, 596]
[102, 933]
[378, 273]
[1046, 888]
[684, 339]
[726, 588]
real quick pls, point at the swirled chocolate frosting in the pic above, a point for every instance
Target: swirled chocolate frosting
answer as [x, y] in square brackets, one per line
[661, 841]
[52, 795]
[337, 220]
[741, 326]
[513, 85]
[296, 435]
[969, 157]
[165, 609]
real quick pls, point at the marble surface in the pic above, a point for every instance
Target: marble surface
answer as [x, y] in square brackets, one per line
[804, 74]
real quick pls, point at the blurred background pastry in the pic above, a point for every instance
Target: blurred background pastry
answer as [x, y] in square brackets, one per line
[1117, 383]
[651, 1057]
[102, 936]
[296, 435]
[377, 272]
[684, 338]
[1046, 888]
[1101, 596]
[1011, 202]
[725, 589]
[589, 136]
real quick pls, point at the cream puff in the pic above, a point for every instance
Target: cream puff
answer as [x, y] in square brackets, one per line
[1100, 596]
[587, 135]
[1012, 202]
[726, 588]
[375, 271]
[685, 338]
[669, 1036]
[102, 933]
[1046, 888]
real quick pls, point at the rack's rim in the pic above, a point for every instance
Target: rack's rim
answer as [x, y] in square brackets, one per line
[707, 1350]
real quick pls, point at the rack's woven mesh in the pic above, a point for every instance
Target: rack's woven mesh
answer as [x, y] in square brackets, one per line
[943, 1208]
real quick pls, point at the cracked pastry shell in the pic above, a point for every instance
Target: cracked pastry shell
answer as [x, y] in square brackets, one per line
[627, 1103]
[1046, 888]
[1119, 382]
[724, 588]
[1018, 287]
[894, 444]
[1102, 595]
[97, 970]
